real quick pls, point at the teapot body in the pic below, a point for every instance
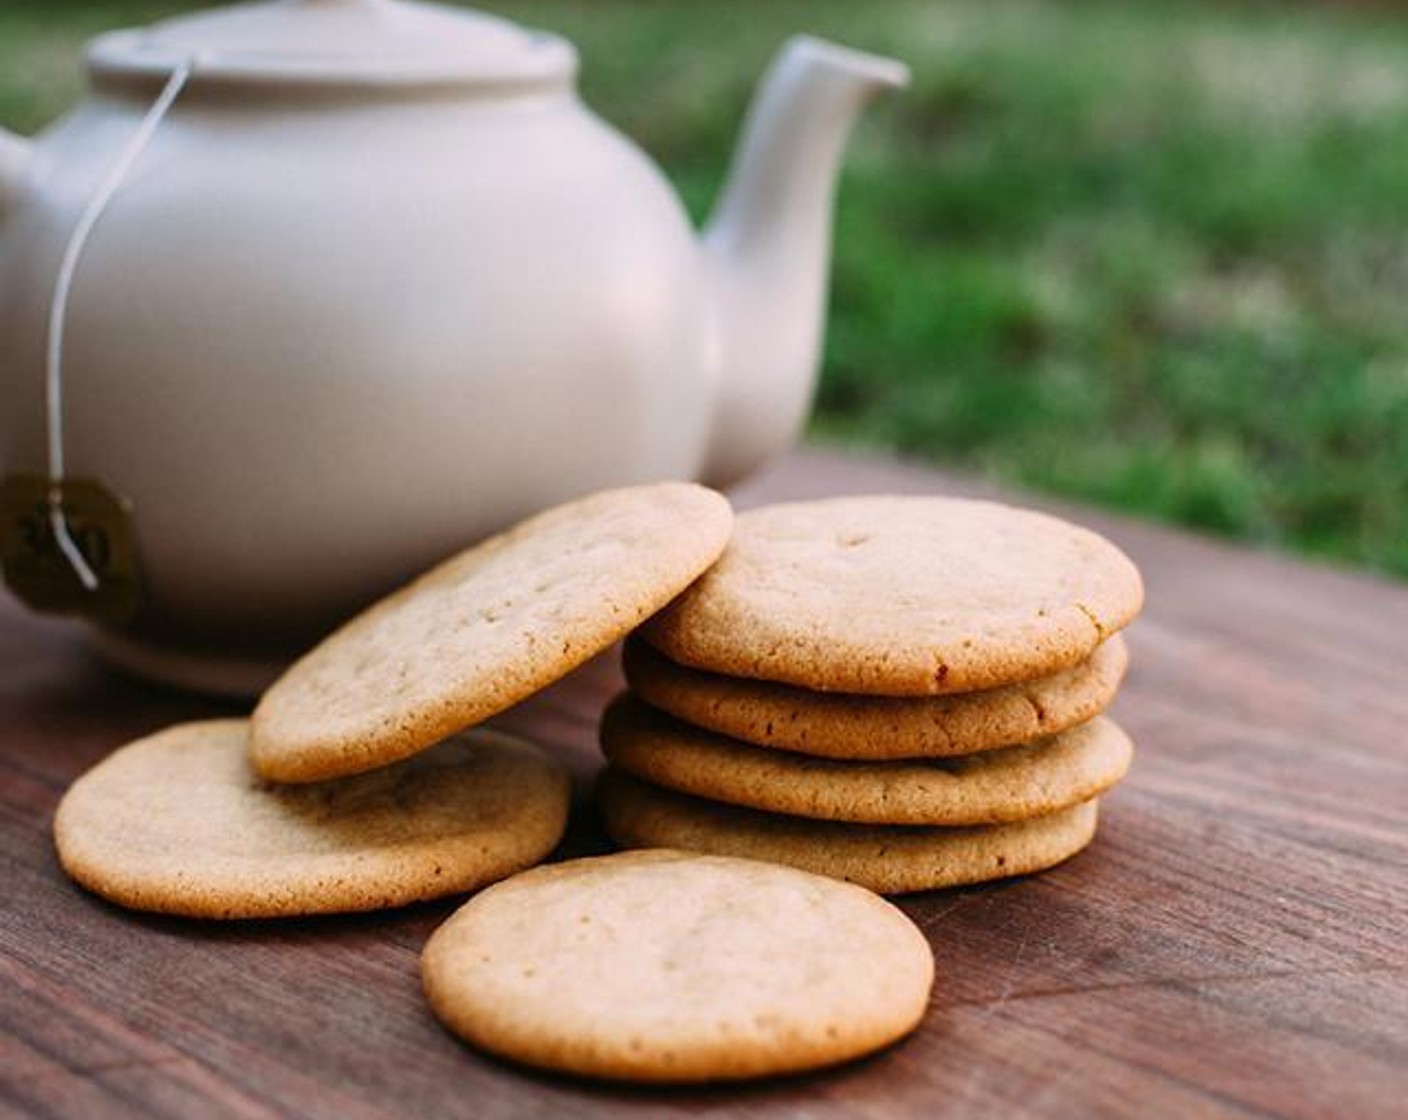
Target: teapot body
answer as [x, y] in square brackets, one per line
[320, 343]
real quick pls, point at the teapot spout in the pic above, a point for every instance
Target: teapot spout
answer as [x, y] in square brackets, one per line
[15, 153]
[768, 246]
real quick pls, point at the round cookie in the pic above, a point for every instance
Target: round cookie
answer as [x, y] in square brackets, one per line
[901, 596]
[176, 823]
[1012, 784]
[485, 629]
[661, 966]
[844, 725]
[891, 859]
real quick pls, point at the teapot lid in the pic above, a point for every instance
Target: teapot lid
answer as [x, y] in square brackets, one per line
[361, 42]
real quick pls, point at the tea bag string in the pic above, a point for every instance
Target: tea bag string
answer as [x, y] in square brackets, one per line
[58, 313]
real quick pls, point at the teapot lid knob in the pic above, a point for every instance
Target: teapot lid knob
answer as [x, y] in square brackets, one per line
[345, 42]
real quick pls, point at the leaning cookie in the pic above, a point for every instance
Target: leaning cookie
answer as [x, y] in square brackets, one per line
[486, 629]
[1012, 784]
[890, 859]
[661, 966]
[845, 725]
[178, 824]
[901, 596]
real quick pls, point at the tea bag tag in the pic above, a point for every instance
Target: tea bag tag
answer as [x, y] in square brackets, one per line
[35, 566]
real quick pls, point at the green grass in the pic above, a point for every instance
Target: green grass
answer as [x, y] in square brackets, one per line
[1153, 255]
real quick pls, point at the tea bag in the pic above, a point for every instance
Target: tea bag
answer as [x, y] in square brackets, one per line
[66, 544]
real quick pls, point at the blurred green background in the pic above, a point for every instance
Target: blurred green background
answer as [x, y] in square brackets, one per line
[1153, 255]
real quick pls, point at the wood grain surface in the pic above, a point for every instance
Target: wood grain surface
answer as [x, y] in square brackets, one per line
[1235, 943]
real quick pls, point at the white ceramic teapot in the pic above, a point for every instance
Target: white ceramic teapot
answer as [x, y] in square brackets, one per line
[378, 284]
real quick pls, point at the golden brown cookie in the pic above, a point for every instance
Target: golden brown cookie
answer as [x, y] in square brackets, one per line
[843, 725]
[901, 596]
[177, 823]
[1012, 784]
[667, 967]
[486, 629]
[891, 859]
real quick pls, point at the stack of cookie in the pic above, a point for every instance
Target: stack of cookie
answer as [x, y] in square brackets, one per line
[905, 692]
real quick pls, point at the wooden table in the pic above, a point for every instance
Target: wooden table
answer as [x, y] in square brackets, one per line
[1235, 943]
